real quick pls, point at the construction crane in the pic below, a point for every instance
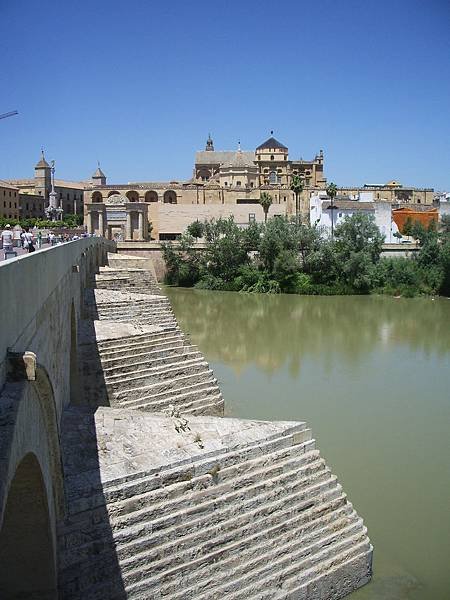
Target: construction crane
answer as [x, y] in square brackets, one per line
[9, 114]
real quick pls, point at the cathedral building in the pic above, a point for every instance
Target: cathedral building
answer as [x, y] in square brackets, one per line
[224, 183]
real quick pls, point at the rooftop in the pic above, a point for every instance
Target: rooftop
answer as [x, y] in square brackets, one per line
[271, 144]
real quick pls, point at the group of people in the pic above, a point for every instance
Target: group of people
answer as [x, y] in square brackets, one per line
[26, 239]
[29, 241]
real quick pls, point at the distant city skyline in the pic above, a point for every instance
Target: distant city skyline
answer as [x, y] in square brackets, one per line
[139, 87]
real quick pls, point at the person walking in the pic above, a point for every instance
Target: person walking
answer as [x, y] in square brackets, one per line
[39, 239]
[7, 239]
[28, 240]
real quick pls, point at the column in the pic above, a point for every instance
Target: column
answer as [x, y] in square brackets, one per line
[141, 225]
[101, 225]
[128, 235]
[89, 221]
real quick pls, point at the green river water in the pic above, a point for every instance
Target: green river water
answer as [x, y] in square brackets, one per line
[371, 377]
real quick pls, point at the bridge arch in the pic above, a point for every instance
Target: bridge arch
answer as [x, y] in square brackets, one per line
[27, 551]
[32, 493]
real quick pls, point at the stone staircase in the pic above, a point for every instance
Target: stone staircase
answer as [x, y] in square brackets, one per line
[153, 371]
[126, 307]
[233, 516]
[193, 506]
[131, 279]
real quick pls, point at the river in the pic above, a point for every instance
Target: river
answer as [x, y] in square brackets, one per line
[371, 377]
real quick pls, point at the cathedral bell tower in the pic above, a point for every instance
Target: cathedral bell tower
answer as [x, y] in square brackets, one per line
[209, 144]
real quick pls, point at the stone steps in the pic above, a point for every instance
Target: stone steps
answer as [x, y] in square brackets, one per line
[172, 511]
[141, 482]
[136, 358]
[150, 361]
[224, 548]
[192, 400]
[239, 510]
[146, 340]
[210, 405]
[239, 460]
[169, 381]
[170, 556]
[134, 382]
[242, 561]
[290, 511]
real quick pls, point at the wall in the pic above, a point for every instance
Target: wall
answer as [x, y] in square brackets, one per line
[40, 303]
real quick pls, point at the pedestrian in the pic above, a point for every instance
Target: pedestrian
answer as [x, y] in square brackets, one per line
[39, 239]
[7, 238]
[28, 240]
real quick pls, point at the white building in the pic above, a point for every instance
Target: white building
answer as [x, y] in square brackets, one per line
[325, 214]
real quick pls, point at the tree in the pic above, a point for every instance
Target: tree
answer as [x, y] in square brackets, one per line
[266, 202]
[196, 229]
[297, 187]
[331, 193]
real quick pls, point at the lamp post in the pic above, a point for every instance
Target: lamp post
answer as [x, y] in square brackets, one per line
[53, 211]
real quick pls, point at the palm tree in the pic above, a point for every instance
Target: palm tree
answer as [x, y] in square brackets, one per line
[266, 203]
[297, 187]
[331, 193]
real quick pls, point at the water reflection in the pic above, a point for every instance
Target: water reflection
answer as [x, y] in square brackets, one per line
[271, 331]
[371, 377]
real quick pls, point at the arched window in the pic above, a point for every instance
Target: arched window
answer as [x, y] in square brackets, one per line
[97, 197]
[170, 197]
[271, 157]
[273, 177]
[151, 196]
[132, 196]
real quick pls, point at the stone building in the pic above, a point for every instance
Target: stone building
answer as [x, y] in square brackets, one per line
[392, 191]
[232, 181]
[9, 201]
[34, 193]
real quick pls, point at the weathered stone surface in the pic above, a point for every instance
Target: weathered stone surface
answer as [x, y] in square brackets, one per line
[166, 500]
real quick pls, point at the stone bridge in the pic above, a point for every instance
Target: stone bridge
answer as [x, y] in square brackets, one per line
[119, 476]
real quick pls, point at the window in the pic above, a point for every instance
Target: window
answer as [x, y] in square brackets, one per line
[251, 217]
[226, 183]
[418, 200]
[10, 204]
[251, 183]
[284, 198]
[273, 177]
[340, 215]
[238, 183]
[266, 170]
[27, 206]
[271, 157]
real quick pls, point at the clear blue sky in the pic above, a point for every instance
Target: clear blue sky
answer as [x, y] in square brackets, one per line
[139, 84]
